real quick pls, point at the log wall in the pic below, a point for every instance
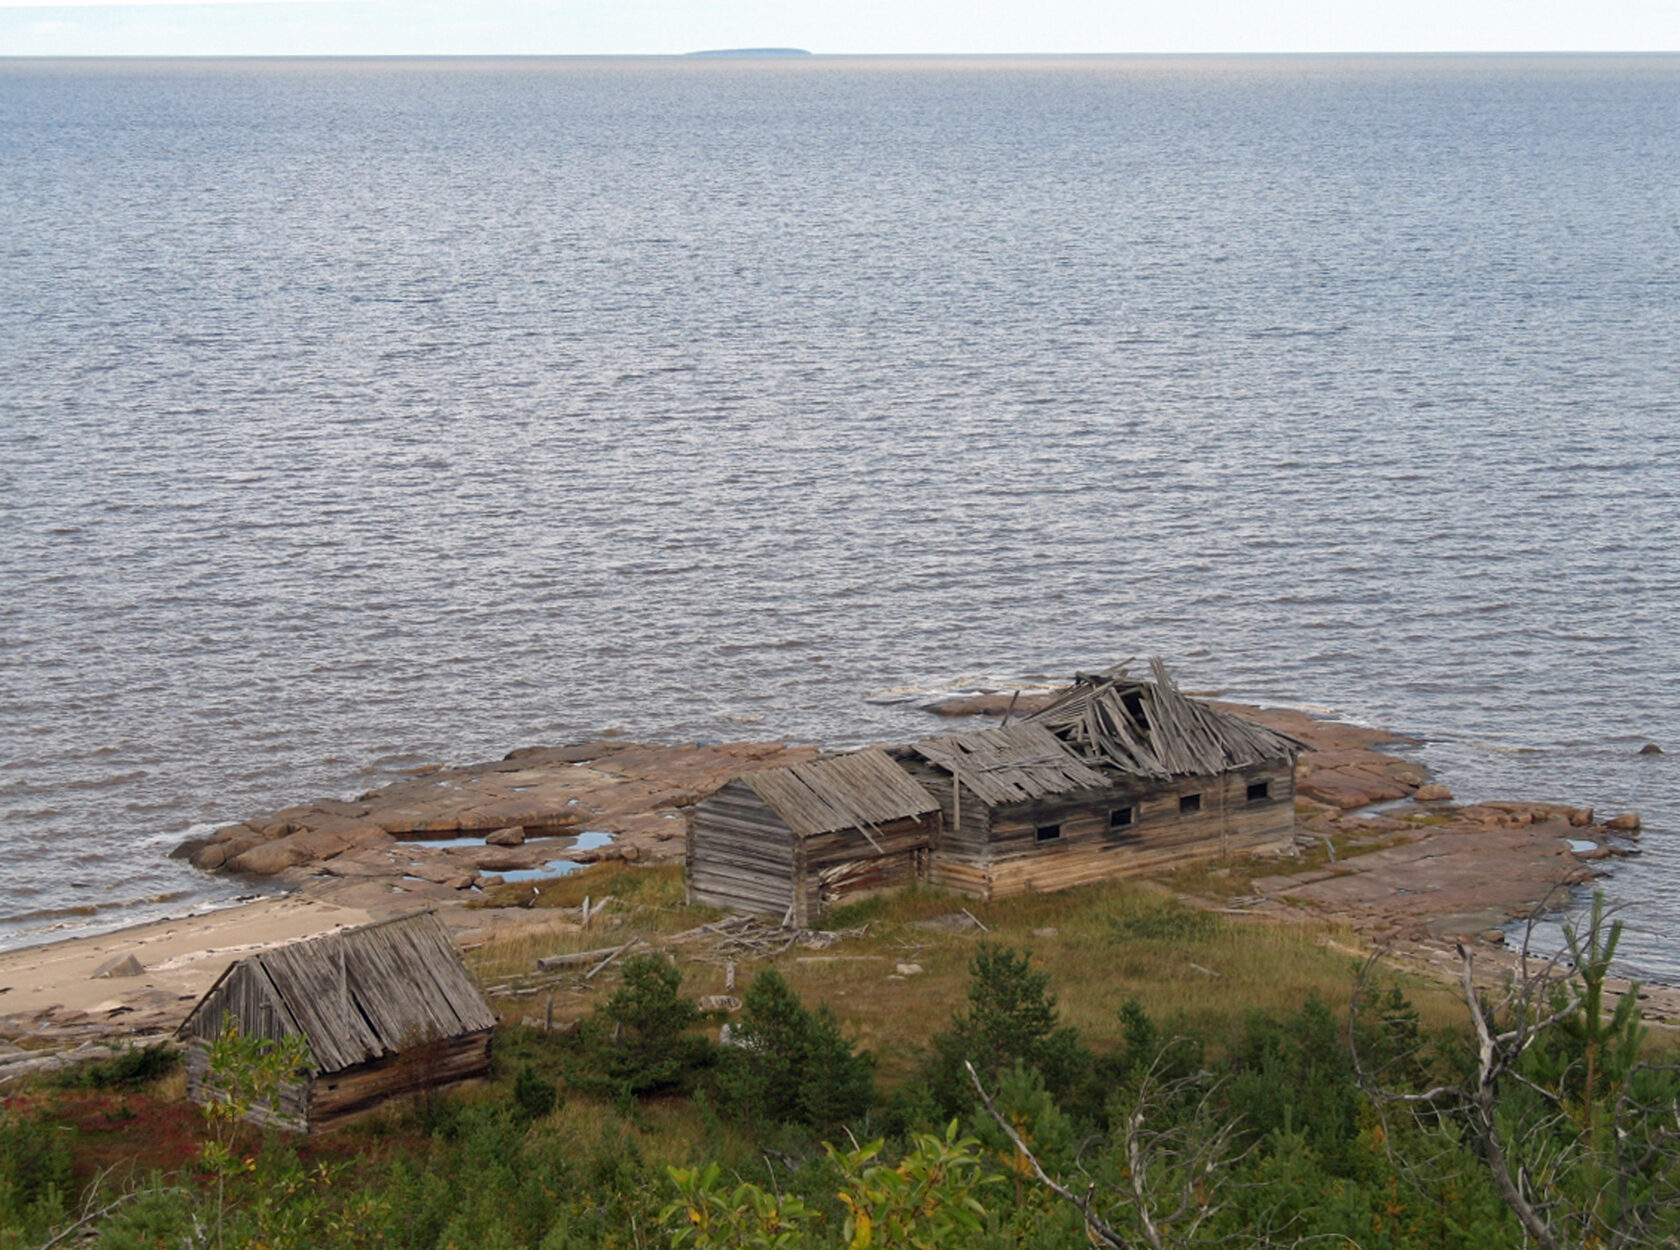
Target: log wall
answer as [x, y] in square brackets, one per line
[846, 864]
[337, 1097]
[742, 856]
[1012, 860]
[740, 853]
[327, 1100]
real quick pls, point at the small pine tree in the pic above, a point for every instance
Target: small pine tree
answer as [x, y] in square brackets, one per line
[1011, 1019]
[638, 1042]
[792, 1065]
[534, 1096]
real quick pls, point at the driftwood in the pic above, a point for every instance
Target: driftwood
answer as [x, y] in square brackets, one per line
[590, 975]
[548, 963]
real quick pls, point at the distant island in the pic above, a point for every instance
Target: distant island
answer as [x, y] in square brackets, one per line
[752, 52]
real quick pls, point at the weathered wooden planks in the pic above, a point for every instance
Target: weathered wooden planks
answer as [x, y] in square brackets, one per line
[379, 992]
[786, 841]
[1117, 778]
[1152, 729]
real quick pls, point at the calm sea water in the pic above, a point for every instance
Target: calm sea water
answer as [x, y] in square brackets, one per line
[358, 415]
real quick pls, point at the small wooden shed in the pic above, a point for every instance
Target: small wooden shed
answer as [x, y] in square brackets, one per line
[790, 841]
[1120, 776]
[385, 1009]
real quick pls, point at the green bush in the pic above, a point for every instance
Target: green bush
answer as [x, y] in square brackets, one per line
[534, 1096]
[639, 1043]
[1011, 1019]
[35, 1164]
[790, 1065]
[134, 1068]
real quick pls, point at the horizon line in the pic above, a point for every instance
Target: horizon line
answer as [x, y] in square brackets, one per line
[806, 57]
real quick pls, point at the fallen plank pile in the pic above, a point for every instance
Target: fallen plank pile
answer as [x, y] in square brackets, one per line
[723, 942]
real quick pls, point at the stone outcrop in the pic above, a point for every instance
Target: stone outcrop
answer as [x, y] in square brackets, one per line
[517, 813]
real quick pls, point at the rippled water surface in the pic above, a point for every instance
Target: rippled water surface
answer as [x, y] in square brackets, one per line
[358, 415]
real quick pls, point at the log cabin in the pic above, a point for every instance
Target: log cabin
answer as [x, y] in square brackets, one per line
[384, 1009]
[795, 840]
[1117, 777]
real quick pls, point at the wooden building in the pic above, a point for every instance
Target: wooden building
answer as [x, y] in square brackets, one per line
[385, 1009]
[791, 841]
[1117, 777]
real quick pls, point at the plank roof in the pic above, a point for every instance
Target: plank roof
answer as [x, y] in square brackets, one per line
[353, 996]
[1012, 763]
[855, 791]
[1153, 729]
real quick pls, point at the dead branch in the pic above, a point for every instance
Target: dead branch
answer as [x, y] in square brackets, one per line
[1099, 1230]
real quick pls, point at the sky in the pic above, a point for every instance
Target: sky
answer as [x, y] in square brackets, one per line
[661, 27]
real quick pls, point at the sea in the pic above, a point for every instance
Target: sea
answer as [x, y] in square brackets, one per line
[363, 415]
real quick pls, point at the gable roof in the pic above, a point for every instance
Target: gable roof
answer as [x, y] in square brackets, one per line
[1012, 763]
[1152, 729]
[352, 996]
[853, 791]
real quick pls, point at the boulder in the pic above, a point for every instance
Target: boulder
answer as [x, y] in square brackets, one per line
[218, 852]
[1433, 794]
[1650, 748]
[908, 970]
[189, 848]
[121, 966]
[1581, 817]
[510, 835]
[268, 858]
[1627, 822]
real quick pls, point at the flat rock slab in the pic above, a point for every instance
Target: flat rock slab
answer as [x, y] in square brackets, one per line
[1453, 879]
[633, 790]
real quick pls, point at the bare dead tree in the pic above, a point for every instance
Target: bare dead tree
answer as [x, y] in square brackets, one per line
[1169, 1170]
[1589, 1156]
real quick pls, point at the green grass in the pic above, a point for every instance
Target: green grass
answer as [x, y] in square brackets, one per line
[1111, 941]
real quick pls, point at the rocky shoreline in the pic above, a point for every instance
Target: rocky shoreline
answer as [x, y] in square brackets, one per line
[446, 834]
[1418, 874]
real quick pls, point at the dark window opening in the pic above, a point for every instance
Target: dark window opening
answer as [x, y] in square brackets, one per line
[1258, 790]
[1190, 803]
[1119, 818]
[1049, 833]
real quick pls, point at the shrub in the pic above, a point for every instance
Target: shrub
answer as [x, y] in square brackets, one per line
[534, 1096]
[792, 1065]
[34, 1172]
[638, 1043]
[1011, 1019]
[133, 1068]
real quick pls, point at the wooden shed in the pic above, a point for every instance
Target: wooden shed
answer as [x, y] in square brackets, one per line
[1118, 777]
[790, 841]
[385, 1009]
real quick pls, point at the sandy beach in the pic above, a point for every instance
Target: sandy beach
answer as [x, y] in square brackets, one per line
[55, 988]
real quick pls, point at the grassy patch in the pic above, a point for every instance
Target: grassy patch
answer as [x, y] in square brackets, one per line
[656, 886]
[1101, 944]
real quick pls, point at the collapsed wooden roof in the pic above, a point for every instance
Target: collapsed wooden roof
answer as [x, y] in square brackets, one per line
[352, 996]
[856, 791]
[1152, 729]
[1011, 764]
